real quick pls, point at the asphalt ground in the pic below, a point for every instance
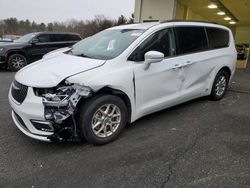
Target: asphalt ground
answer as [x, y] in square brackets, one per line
[201, 143]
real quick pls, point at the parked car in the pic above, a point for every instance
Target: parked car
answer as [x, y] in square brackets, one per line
[11, 37]
[32, 47]
[95, 88]
[5, 40]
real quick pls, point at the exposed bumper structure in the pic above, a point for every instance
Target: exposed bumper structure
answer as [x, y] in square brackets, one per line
[46, 117]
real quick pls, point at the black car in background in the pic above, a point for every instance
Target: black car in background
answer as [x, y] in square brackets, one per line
[31, 47]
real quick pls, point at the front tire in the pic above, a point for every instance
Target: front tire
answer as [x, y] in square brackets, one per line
[220, 85]
[102, 118]
[16, 62]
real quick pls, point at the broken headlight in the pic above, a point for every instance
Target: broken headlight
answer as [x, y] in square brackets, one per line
[61, 102]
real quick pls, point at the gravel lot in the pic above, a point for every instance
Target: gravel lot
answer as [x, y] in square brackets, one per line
[201, 143]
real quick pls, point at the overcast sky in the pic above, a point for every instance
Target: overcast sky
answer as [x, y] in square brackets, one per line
[63, 10]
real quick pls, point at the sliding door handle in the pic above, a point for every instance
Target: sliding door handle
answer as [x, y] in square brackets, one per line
[188, 63]
[177, 66]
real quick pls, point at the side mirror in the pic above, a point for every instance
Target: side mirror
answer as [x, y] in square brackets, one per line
[34, 41]
[152, 57]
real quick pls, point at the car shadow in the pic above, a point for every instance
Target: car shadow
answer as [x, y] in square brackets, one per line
[137, 125]
[4, 70]
[167, 111]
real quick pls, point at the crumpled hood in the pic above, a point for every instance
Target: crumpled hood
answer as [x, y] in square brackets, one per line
[50, 72]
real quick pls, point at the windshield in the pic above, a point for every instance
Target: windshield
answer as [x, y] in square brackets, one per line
[107, 44]
[25, 38]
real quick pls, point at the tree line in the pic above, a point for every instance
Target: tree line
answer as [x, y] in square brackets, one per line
[84, 27]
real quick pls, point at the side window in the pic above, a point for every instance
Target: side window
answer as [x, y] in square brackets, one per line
[57, 38]
[191, 39]
[218, 38]
[65, 37]
[161, 41]
[69, 37]
[43, 38]
[74, 38]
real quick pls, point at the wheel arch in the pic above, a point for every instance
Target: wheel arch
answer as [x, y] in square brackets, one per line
[227, 69]
[212, 94]
[21, 52]
[215, 72]
[119, 93]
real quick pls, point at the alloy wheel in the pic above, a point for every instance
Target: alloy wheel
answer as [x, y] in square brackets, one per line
[18, 62]
[106, 120]
[221, 85]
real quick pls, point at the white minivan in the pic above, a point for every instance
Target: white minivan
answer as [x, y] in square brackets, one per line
[93, 89]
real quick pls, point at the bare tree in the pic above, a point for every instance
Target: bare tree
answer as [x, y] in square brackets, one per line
[85, 28]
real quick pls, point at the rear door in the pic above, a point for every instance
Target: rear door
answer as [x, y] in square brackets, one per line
[57, 41]
[197, 63]
[201, 50]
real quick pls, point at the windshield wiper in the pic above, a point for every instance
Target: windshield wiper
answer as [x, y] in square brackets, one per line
[80, 55]
[84, 55]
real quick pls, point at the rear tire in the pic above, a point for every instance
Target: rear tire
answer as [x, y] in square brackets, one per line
[220, 85]
[102, 118]
[16, 62]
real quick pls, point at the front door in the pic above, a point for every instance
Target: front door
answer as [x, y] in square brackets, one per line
[158, 86]
[38, 49]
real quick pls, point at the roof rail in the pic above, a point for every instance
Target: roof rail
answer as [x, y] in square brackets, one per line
[199, 21]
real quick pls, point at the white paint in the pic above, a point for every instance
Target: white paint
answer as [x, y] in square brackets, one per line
[161, 85]
[50, 71]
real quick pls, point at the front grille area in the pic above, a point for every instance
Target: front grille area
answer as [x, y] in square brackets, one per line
[19, 91]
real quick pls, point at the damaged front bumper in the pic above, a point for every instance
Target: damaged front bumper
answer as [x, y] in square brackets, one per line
[49, 116]
[24, 129]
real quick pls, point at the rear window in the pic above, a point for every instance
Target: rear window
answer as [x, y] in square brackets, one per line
[191, 39]
[218, 38]
[68, 37]
[64, 37]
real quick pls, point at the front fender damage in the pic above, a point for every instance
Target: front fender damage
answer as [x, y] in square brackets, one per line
[60, 107]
